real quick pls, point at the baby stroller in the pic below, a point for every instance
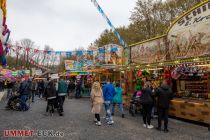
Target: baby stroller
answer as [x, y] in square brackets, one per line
[14, 103]
[135, 104]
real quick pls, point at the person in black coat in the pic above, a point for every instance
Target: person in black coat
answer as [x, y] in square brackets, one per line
[34, 89]
[41, 88]
[29, 89]
[78, 90]
[71, 89]
[147, 104]
[164, 94]
[24, 94]
[50, 94]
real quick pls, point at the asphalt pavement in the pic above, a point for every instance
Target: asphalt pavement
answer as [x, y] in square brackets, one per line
[77, 124]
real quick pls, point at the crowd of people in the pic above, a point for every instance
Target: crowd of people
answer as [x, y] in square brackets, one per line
[53, 90]
[25, 89]
[111, 95]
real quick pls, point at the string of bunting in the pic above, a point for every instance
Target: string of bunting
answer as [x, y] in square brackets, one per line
[100, 10]
[17, 49]
[52, 57]
[37, 65]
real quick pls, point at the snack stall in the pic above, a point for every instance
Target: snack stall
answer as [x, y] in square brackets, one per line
[183, 53]
[133, 77]
[105, 72]
[193, 93]
[190, 82]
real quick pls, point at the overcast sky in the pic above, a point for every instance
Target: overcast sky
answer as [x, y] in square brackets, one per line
[64, 24]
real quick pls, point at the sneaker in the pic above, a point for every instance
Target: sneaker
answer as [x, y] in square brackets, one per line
[98, 123]
[110, 122]
[150, 126]
[144, 125]
[123, 115]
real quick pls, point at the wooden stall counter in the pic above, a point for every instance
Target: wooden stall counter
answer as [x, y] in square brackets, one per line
[195, 110]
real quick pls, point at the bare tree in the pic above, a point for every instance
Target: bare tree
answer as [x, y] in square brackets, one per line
[46, 49]
[27, 45]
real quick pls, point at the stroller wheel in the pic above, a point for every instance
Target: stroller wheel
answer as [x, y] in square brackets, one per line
[16, 104]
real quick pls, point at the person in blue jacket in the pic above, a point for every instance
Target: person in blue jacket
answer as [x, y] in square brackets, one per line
[108, 94]
[118, 100]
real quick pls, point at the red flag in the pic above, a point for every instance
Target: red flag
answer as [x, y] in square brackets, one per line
[36, 50]
[28, 49]
[4, 21]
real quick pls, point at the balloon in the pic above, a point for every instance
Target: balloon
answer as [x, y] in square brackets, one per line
[138, 87]
[138, 81]
[145, 72]
[139, 73]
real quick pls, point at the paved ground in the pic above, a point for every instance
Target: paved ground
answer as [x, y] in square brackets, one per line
[77, 124]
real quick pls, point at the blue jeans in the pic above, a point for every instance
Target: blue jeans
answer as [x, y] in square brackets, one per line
[23, 104]
[107, 105]
[120, 105]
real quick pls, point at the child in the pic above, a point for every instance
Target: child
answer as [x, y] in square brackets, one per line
[137, 93]
[97, 101]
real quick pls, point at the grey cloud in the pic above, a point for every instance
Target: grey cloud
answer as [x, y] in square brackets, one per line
[61, 22]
